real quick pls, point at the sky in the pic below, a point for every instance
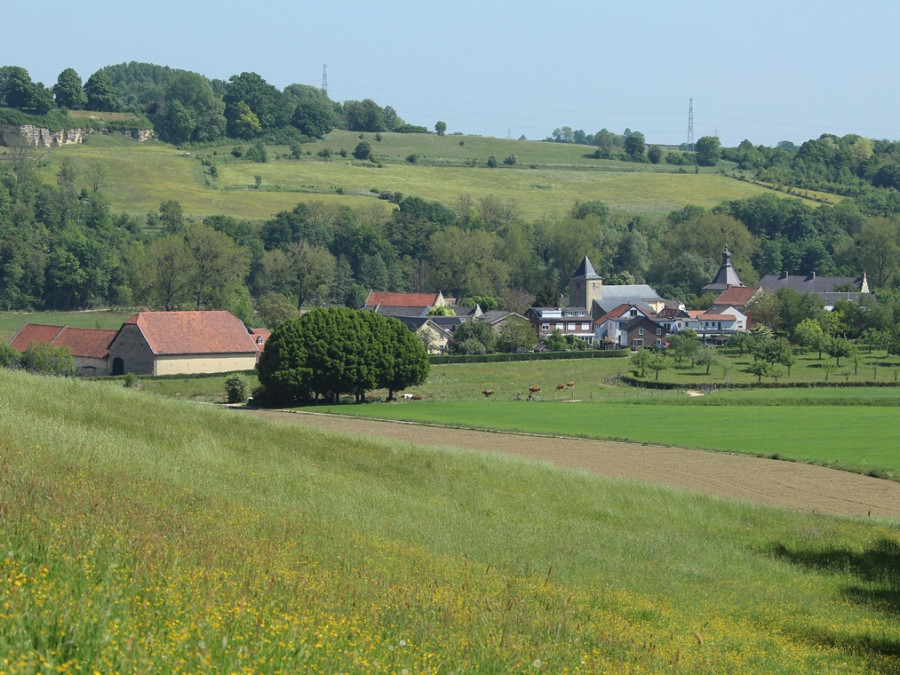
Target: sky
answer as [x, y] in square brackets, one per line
[765, 71]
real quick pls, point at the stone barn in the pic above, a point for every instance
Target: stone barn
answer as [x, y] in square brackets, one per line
[169, 343]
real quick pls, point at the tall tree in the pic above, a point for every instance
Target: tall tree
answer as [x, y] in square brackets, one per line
[15, 87]
[68, 90]
[270, 106]
[101, 95]
[635, 146]
[708, 148]
[218, 265]
[189, 111]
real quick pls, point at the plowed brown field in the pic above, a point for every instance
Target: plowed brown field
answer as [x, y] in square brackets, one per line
[789, 485]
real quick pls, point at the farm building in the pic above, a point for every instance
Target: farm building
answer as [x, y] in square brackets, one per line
[89, 346]
[166, 343]
[156, 343]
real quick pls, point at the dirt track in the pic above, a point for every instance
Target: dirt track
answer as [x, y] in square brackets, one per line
[783, 484]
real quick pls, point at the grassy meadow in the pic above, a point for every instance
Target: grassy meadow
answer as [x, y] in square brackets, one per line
[145, 534]
[548, 179]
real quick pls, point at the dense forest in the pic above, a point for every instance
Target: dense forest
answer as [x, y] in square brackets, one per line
[62, 247]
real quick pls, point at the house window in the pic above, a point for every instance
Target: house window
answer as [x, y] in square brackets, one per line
[571, 325]
[659, 331]
[585, 326]
[659, 343]
[545, 326]
[632, 312]
[637, 343]
[640, 331]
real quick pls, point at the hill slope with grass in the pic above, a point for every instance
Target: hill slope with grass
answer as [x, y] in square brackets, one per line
[547, 179]
[146, 534]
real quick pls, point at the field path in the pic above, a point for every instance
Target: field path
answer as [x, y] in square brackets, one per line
[790, 485]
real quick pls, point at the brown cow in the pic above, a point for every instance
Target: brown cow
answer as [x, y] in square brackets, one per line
[560, 386]
[488, 392]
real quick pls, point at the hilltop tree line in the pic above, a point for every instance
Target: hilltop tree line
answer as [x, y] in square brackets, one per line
[186, 107]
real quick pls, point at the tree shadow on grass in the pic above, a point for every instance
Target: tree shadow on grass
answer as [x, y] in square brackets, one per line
[877, 572]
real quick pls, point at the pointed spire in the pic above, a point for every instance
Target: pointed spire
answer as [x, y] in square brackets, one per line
[585, 270]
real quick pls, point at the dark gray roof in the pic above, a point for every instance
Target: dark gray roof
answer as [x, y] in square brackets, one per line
[585, 270]
[726, 277]
[495, 315]
[631, 294]
[810, 284]
[400, 311]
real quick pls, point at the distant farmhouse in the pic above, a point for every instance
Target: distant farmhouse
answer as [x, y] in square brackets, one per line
[156, 343]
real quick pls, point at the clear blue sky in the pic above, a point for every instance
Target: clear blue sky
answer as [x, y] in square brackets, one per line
[765, 70]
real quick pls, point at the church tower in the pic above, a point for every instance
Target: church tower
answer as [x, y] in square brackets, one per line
[726, 277]
[585, 286]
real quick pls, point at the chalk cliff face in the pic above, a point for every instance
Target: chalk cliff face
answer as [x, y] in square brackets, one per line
[44, 138]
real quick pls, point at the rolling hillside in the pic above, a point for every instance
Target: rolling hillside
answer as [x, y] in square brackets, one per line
[145, 535]
[547, 179]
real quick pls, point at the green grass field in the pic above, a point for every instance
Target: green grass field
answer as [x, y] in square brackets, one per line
[141, 176]
[858, 438]
[144, 534]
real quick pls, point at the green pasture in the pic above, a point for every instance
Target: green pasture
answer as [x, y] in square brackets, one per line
[142, 175]
[857, 438]
[145, 534]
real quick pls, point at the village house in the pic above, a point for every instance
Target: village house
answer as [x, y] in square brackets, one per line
[403, 304]
[435, 338]
[822, 287]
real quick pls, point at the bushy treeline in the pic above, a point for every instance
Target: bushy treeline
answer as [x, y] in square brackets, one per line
[187, 107]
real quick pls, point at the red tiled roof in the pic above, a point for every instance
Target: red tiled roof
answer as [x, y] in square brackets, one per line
[736, 296]
[260, 336]
[717, 317]
[84, 342]
[401, 299]
[194, 333]
[618, 312]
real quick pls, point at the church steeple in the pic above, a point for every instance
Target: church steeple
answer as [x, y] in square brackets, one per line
[585, 286]
[726, 277]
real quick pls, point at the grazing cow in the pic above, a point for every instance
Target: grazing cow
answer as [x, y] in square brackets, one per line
[571, 384]
[534, 390]
[488, 392]
[560, 386]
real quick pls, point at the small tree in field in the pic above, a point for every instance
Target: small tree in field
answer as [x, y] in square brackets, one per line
[363, 151]
[236, 388]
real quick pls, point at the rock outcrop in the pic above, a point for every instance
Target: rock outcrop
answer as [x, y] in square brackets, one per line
[41, 137]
